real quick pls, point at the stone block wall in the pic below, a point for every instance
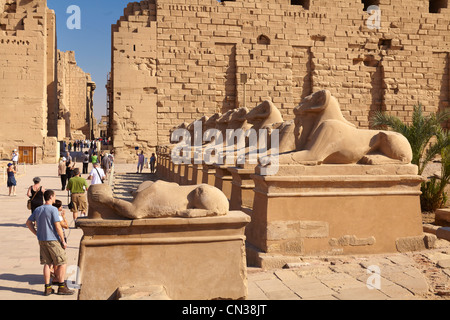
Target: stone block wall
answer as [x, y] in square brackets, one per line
[133, 80]
[74, 95]
[42, 91]
[52, 94]
[25, 29]
[197, 52]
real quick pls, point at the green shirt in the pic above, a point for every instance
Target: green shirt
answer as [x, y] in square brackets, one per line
[94, 159]
[76, 185]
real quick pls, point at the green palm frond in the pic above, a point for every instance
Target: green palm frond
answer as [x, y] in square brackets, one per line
[381, 119]
[419, 132]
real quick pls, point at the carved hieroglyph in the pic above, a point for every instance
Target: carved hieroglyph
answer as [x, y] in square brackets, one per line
[323, 135]
[159, 199]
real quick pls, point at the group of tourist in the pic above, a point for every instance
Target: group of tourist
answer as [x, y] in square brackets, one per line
[141, 162]
[104, 161]
[79, 145]
[47, 220]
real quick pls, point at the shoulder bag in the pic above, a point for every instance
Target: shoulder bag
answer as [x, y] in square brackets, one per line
[31, 200]
[99, 175]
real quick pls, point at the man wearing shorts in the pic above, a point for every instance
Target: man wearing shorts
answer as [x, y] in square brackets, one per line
[51, 243]
[78, 187]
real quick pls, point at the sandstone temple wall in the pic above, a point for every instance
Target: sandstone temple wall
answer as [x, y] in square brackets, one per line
[44, 95]
[133, 79]
[25, 27]
[74, 90]
[174, 62]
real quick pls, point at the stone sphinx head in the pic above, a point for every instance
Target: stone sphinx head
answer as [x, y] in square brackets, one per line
[211, 122]
[315, 102]
[223, 120]
[238, 119]
[184, 125]
[264, 115]
[192, 131]
[321, 102]
[99, 194]
[319, 105]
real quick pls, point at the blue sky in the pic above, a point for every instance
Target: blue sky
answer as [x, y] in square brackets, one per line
[91, 43]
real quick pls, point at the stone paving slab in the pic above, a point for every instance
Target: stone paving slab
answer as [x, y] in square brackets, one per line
[20, 270]
[418, 275]
[400, 278]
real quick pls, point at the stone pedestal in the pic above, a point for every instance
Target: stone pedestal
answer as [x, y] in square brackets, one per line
[242, 194]
[162, 169]
[192, 259]
[186, 179]
[171, 171]
[208, 174]
[178, 173]
[336, 209]
[197, 174]
[442, 217]
[163, 161]
[165, 164]
[443, 233]
[223, 179]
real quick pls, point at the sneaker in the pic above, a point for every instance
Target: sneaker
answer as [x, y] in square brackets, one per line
[48, 291]
[63, 290]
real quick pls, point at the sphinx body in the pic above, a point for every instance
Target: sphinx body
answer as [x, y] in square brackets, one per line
[161, 199]
[323, 135]
[265, 116]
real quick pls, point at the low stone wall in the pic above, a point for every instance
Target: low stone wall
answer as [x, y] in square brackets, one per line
[190, 259]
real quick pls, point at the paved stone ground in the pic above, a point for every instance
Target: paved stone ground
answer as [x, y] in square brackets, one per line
[402, 277]
[418, 275]
[20, 270]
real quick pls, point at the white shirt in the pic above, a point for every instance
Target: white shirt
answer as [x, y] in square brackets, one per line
[15, 157]
[96, 179]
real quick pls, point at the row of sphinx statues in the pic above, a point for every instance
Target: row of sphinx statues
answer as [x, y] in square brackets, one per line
[319, 133]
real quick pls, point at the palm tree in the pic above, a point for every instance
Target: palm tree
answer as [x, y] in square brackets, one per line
[419, 133]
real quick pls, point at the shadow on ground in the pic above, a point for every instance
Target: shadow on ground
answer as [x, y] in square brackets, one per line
[30, 279]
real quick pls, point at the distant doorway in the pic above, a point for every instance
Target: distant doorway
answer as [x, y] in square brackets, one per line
[27, 155]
